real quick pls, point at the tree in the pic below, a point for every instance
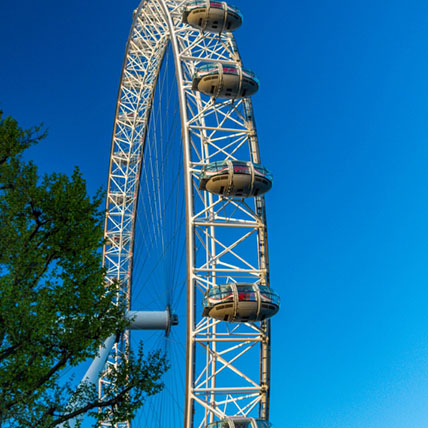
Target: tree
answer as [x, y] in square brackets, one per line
[55, 307]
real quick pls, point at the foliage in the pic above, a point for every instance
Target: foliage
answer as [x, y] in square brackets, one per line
[55, 308]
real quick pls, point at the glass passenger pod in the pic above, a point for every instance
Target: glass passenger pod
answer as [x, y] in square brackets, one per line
[235, 178]
[240, 422]
[212, 16]
[119, 198]
[130, 119]
[240, 302]
[122, 159]
[115, 240]
[225, 81]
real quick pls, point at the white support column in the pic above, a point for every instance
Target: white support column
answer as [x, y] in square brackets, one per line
[93, 373]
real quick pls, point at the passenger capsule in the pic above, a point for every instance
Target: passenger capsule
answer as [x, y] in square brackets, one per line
[240, 302]
[212, 16]
[122, 159]
[130, 119]
[139, 44]
[115, 240]
[235, 178]
[119, 198]
[225, 81]
[240, 422]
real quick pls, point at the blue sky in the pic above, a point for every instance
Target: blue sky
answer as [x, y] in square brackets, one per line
[342, 122]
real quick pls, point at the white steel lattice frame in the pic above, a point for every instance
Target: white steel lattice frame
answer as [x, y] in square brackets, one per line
[226, 237]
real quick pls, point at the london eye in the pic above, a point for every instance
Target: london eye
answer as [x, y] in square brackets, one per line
[186, 232]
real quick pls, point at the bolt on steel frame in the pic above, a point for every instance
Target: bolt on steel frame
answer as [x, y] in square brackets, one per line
[228, 365]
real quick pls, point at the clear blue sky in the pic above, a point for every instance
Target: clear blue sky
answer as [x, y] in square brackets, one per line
[342, 120]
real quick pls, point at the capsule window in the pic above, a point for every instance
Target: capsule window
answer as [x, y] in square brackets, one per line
[223, 424]
[247, 296]
[241, 169]
[230, 70]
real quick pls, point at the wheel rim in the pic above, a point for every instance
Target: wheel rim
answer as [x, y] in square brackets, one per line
[226, 237]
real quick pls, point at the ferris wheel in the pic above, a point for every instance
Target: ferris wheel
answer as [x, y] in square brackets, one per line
[186, 234]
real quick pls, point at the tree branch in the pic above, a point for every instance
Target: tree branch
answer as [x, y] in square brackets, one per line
[117, 399]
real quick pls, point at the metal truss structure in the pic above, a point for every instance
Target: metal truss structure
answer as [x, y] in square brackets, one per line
[227, 364]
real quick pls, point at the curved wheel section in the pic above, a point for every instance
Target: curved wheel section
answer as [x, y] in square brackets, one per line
[184, 213]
